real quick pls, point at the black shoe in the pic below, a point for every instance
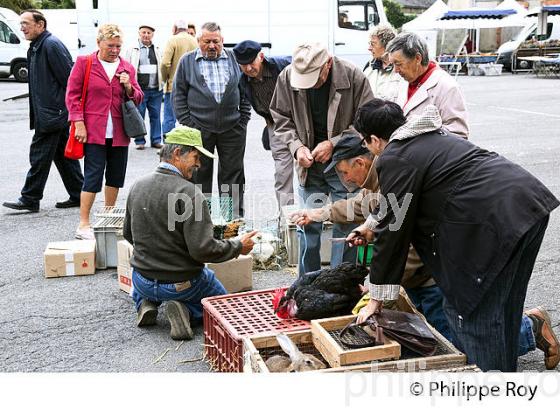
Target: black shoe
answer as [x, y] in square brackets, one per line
[20, 206]
[179, 318]
[70, 203]
[147, 314]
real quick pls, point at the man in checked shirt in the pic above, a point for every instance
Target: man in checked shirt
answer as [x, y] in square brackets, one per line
[207, 96]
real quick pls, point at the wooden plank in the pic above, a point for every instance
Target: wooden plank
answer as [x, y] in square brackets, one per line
[269, 340]
[325, 344]
[337, 355]
[390, 350]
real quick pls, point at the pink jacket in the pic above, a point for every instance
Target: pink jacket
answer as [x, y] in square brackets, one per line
[100, 95]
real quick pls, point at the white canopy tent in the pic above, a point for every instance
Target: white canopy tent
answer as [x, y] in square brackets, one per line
[439, 17]
[426, 20]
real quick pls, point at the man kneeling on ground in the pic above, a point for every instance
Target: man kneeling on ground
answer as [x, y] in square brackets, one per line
[168, 222]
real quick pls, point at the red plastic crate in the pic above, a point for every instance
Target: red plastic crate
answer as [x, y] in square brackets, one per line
[229, 318]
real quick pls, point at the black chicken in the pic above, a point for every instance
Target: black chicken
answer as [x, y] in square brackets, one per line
[323, 293]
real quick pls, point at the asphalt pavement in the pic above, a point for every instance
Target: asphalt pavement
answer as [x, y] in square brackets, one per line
[87, 324]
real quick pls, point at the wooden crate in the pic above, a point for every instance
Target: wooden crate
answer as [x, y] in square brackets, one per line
[446, 356]
[323, 331]
[258, 348]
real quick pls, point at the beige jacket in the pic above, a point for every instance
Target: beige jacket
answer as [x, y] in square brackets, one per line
[442, 91]
[387, 84]
[291, 112]
[357, 209]
[177, 46]
[132, 55]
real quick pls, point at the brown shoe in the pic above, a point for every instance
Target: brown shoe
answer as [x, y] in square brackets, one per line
[140, 146]
[157, 145]
[179, 318]
[545, 337]
[147, 314]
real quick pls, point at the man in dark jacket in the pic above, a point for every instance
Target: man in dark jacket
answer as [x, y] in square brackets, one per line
[476, 219]
[49, 65]
[258, 80]
[207, 96]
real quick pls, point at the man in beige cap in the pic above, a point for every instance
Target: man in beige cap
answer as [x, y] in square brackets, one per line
[180, 44]
[313, 104]
[168, 222]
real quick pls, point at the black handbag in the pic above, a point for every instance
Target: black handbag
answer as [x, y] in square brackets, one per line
[133, 123]
[405, 328]
[265, 138]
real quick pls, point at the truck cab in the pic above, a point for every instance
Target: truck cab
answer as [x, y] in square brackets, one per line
[13, 47]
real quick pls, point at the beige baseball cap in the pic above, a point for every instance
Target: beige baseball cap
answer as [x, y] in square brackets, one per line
[306, 64]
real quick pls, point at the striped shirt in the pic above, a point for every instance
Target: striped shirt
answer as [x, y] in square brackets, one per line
[215, 72]
[147, 68]
[262, 90]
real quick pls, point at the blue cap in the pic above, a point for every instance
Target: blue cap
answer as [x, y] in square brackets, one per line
[246, 51]
[349, 146]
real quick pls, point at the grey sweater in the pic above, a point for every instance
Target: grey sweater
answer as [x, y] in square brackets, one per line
[176, 253]
[196, 107]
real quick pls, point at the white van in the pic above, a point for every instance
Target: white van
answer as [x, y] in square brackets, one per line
[281, 25]
[527, 33]
[13, 47]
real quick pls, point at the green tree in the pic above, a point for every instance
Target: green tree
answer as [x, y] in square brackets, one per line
[17, 5]
[56, 4]
[395, 14]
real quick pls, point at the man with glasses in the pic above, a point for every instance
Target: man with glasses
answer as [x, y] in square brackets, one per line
[207, 95]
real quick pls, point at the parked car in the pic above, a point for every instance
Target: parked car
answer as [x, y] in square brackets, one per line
[13, 47]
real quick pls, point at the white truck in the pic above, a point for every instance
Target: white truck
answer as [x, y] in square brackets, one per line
[280, 25]
[13, 47]
[530, 31]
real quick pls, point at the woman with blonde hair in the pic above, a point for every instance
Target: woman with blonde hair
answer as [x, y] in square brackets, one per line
[98, 122]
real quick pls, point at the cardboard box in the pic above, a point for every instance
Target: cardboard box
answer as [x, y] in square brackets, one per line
[236, 275]
[70, 258]
[124, 270]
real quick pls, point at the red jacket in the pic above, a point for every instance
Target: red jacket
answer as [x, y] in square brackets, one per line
[100, 95]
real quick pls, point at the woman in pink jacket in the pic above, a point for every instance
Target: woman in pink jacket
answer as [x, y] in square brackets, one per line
[99, 124]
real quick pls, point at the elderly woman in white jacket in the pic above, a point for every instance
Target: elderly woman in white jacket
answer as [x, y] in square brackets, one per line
[385, 82]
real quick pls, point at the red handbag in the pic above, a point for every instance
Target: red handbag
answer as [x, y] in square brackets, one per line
[75, 149]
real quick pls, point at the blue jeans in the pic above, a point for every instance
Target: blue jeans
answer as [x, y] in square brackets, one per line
[429, 301]
[152, 101]
[526, 336]
[318, 187]
[489, 335]
[168, 114]
[205, 285]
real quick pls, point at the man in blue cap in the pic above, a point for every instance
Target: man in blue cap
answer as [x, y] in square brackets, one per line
[259, 80]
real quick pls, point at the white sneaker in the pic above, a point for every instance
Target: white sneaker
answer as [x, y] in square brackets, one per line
[85, 233]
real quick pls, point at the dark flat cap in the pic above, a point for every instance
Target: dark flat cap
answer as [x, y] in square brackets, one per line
[146, 26]
[246, 51]
[349, 146]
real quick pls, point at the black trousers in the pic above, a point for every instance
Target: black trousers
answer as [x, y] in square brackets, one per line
[230, 146]
[46, 148]
[489, 336]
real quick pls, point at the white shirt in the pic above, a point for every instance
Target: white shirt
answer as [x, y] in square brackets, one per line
[110, 70]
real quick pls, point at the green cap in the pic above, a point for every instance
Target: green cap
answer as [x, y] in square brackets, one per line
[183, 135]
